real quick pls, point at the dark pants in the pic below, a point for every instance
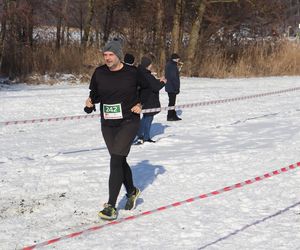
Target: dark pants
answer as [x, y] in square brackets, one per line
[118, 141]
[172, 101]
[145, 126]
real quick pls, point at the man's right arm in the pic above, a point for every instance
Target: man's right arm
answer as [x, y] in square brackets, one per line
[92, 99]
[94, 96]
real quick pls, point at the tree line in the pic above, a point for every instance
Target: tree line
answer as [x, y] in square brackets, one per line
[159, 28]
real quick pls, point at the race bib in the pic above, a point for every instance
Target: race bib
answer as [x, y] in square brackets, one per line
[112, 111]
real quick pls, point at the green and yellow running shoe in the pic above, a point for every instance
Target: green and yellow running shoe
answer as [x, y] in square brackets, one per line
[108, 213]
[131, 199]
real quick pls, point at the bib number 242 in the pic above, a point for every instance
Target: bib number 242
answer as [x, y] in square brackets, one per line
[112, 111]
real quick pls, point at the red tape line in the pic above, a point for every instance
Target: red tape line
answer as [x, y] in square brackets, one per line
[155, 109]
[175, 204]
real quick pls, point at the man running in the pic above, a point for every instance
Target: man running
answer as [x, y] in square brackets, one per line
[114, 85]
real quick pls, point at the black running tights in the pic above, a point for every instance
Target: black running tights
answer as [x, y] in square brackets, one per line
[120, 173]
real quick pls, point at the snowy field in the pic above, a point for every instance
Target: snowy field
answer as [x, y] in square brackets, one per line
[54, 175]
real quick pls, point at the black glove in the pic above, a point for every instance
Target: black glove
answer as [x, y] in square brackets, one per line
[89, 110]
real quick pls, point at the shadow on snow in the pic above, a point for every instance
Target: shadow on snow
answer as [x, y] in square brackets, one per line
[240, 230]
[144, 174]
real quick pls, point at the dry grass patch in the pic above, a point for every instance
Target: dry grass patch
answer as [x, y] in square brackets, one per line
[266, 59]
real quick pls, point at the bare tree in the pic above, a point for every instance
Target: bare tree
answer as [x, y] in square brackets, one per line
[3, 26]
[65, 24]
[177, 30]
[17, 38]
[88, 22]
[195, 30]
[161, 35]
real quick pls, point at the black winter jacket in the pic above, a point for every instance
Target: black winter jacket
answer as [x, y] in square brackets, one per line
[149, 100]
[172, 76]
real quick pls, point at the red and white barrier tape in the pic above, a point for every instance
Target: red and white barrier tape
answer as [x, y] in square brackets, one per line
[191, 105]
[74, 117]
[176, 204]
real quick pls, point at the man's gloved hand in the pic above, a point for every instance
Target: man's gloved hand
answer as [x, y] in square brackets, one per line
[89, 110]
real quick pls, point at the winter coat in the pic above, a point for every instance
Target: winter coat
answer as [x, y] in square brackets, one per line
[149, 100]
[172, 76]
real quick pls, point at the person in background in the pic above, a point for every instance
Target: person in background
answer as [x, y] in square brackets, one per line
[172, 85]
[151, 101]
[129, 59]
[115, 86]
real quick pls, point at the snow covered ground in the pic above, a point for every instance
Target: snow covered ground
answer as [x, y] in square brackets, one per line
[53, 175]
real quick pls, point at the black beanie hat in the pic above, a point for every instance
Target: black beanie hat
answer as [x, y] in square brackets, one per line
[175, 56]
[145, 62]
[128, 58]
[115, 47]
